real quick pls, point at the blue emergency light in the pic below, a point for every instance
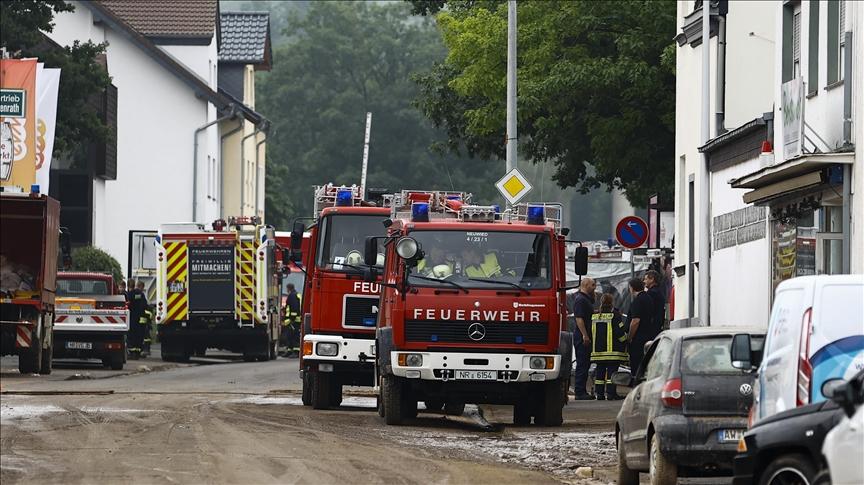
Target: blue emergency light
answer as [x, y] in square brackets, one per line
[519, 339]
[536, 214]
[344, 198]
[34, 189]
[497, 208]
[420, 212]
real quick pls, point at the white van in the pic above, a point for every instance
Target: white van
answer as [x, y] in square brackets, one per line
[816, 332]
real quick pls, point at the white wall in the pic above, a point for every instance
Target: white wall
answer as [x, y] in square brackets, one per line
[157, 115]
[855, 21]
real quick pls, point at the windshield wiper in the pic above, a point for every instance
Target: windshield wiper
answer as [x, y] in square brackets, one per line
[334, 263]
[508, 283]
[456, 285]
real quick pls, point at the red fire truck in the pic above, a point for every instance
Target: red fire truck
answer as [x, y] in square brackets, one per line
[472, 307]
[339, 307]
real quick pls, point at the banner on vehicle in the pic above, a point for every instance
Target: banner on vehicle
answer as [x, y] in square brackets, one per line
[211, 278]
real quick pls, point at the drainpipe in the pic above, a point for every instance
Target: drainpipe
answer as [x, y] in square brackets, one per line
[257, 151]
[847, 169]
[222, 167]
[704, 220]
[720, 116]
[243, 168]
[232, 113]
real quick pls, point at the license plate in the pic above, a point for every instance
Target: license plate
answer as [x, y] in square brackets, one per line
[79, 345]
[730, 435]
[476, 375]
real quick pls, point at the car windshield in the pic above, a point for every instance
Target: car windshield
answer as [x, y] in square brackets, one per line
[82, 287]
[483, 259]
[710, 355]
[340, 247]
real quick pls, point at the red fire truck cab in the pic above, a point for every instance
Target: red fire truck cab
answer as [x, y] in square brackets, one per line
[339, 307]
[472, 308]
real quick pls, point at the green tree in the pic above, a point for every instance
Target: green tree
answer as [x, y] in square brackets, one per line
[596, 88]
[90, 258]
[21, 25]
[341, 60]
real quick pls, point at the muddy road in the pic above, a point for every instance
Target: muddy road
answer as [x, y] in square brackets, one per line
[218, 420]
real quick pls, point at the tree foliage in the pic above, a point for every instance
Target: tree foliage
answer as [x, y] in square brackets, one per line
[595, 83]
[341, 60]
[90, 258]
[21, 25]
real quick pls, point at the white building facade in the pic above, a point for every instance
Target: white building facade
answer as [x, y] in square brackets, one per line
[781, 213]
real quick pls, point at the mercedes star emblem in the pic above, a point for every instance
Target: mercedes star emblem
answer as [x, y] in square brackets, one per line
[745, 389]
[476, 332]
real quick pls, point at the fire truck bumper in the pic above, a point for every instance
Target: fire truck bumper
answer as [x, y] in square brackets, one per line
[452, 366]
[334, 348]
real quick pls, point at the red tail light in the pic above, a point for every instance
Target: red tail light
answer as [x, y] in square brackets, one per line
[671, 394]
[805, 370]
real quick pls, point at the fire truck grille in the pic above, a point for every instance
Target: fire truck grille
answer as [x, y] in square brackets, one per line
[361, 311]
[465, 332]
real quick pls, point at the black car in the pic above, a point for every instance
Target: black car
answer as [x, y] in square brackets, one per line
[786, 448]
[688, 408]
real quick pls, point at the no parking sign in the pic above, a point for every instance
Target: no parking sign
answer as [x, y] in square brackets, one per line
[631, 232]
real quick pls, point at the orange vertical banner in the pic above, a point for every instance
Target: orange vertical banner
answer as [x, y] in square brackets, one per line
[18, 122]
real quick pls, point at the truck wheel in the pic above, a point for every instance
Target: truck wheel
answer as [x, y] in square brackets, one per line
[379, 404]
[307, 390]
[274, 350]
[320, 390]
[392, 392]
[115, 361]
[335, 393]
[434, 405]
[201, 351]
[626, 476]
[661, 470]
[30, 359]
[552, 407]
[521, 414]
[454, 408]
[249, 356]
[792, 468]
[45, 364]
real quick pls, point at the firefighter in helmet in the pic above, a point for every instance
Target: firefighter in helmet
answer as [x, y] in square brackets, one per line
[137, 310]
[291, 323]
[608, 348]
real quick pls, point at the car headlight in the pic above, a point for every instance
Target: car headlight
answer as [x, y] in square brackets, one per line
[410, 360]
[407, 248]
[327, 349]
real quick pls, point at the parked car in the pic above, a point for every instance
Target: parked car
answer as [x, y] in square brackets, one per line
[786, 448]
[816, 333]
[844, 445]
[688, 408]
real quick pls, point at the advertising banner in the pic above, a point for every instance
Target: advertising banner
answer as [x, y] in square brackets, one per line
[792, 107]
[47, 89]
[18, 122]
[211, 278]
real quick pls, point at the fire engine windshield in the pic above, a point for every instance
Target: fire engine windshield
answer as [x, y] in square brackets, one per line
[483, 259]
[341, 245]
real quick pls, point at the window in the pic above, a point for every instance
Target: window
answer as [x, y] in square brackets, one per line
[343, 240]
[796, 45]
[791, 41]
[711, 355]
[659, 360]
[842, 32]
[834, 41]
[209, 175]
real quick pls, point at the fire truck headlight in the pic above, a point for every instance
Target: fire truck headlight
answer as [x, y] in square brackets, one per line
[407, 248]
[327, 349]
[410, 360]
[537, 362]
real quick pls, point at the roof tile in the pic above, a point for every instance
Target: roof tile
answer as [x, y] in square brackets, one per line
[245, 37]
[167, 18]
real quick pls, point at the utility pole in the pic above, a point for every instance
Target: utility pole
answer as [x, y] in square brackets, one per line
[511, 85]
[704, 220]
[365, 156]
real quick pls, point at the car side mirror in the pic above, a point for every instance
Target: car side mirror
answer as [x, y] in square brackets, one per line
[370, 251]
[741, 352]
[842, 393]
[622, 378]
[580, 261]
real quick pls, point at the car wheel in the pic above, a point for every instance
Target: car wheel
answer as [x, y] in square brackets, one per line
[822, 478]
[661, 470]
[794, 469]
[626, 476]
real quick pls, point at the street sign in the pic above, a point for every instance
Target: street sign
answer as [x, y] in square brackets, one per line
[513, 186]
[13, 103]
[631, 232]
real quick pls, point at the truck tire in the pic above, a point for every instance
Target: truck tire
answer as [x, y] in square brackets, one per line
[434, 405]
[335, 392]
[626, 476]
[46, 364]
[552, 405]
[661, 471]
[29, 360]
[521, 414]
[454, 408]
[392, 392]
[320, 390]
[307, 389]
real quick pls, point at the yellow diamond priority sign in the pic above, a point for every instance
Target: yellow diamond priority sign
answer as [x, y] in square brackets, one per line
[513, 186]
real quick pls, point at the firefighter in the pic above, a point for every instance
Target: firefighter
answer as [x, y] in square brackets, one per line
[137, 308]
[146, 322]
[482, 266]
[291, 324]
[437, 264]
[608, 348]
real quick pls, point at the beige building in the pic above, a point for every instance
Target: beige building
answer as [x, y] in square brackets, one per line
[244, 50]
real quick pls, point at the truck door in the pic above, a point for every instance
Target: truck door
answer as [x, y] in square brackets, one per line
[141, 265]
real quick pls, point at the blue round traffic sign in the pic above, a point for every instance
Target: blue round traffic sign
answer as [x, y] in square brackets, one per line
[631, 232]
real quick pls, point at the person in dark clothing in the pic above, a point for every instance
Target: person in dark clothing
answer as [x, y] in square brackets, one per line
[291, 329]
[641, 325]
[137, 307]
[581, 305]
[657, 293]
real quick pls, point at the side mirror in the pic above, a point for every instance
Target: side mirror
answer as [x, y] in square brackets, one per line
[580, 261]
[842, 393]
[297, 235]
[741, 352]
[622, 378]
[830, 387]
[296, 256]
[370, 251]
[286, 256]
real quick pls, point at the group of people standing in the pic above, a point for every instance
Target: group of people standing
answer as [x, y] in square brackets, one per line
[608, 338]
[140, 317]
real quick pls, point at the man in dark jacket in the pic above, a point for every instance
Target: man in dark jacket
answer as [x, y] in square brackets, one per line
[642, 327]
[581, 305]
[658, 296]
[137, 307]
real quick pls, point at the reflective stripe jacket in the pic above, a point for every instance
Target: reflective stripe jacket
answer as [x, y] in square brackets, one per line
[608, 338]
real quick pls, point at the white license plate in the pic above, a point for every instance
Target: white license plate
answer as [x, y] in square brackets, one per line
[79, 345]
[476, 375]
[730, 435]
